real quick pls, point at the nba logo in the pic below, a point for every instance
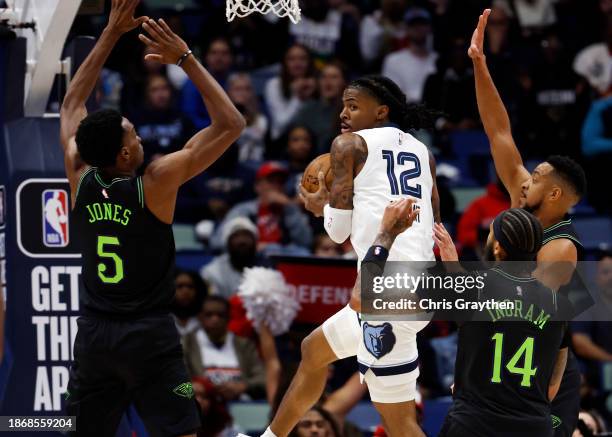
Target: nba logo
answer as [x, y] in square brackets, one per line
[55, 218]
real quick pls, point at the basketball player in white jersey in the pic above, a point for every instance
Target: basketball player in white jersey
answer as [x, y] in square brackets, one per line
[374, 162]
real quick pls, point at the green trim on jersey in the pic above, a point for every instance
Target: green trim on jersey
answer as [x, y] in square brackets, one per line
[140, 191]
[104, 184]
[561, 223]
[85, 173]
[558, 236]
[512, 277]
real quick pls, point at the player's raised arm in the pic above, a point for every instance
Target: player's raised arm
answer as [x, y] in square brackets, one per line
[508, 161]
[121, 20]
[163, 176]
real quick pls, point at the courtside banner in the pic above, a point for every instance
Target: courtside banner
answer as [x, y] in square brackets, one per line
[42, 296]
[322, 286]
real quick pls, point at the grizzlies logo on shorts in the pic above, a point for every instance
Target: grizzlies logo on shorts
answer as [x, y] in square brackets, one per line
[379, 340]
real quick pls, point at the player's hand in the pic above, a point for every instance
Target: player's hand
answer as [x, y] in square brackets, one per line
[476, 50]
[315, 202]
[121, 19]
[398, 217]
[448, 251]
[167, 46]
[232, 389]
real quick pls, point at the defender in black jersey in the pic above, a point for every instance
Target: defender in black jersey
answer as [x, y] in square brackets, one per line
[127, 349]
[549, 193]
[508, 369]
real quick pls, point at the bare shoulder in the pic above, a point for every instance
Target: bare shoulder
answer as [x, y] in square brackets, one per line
[560, 249]
[349, 147]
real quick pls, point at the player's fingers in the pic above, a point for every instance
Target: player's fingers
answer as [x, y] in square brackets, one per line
[164, 26]
[141, 20]
[154, 57]
[303, 192]
[147, 41]
[158, 29]
[322, 185]
[151, 30]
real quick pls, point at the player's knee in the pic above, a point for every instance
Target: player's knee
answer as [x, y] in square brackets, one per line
[313, 357]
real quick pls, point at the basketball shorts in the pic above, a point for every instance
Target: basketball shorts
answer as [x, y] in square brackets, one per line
[140, 362]
[566, 405]
[386, 353]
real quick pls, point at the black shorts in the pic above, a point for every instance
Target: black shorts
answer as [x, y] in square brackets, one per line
[117, 363]
[566, 405]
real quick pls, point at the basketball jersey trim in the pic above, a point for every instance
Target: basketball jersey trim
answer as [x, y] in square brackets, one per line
[511, 277]
[555, 226]
[104, 184]
[83, 176]
[560, 236]
[140, 191]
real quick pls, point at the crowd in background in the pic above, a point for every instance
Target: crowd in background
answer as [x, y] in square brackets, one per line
[550, 59]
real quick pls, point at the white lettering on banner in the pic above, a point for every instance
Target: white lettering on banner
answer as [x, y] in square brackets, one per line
[55, 295]
[324, 294]
[48, 393]
[48, 285]
[61, 333]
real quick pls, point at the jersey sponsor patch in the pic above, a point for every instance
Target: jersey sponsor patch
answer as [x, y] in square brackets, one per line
[379, 340]
[55, 218]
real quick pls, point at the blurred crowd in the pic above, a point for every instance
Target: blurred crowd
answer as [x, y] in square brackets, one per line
[551, 61]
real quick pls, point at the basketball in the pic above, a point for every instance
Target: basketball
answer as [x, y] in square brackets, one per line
[310, 178]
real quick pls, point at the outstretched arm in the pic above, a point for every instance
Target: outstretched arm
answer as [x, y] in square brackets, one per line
[121, 20]
[507, 159]
[164, 176]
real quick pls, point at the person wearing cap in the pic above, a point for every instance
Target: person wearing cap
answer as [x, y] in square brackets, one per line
[410, 67]
[224, 272]
[281, 225]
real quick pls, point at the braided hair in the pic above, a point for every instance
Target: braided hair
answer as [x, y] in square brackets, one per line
[408, 116]
[519, 233]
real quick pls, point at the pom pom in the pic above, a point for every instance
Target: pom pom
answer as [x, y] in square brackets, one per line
[267, 299]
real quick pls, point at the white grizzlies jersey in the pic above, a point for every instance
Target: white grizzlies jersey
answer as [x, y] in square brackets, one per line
[397, 167]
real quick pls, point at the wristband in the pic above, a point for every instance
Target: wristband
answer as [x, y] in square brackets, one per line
[183, 57]
[376, 255]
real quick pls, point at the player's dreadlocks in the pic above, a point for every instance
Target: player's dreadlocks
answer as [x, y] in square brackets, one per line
[519, 233]
[406, 115]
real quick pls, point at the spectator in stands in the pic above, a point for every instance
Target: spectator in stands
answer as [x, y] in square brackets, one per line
[451, 91]
[410, 67]
[230, 363]
[211, 194]
[224, 272]
[251, 144]
[594, 62]
[325, 247]
[281, 224]
[591, 339]
[473, 226]
[323, 115]
[188, 298]
[550, 112]
[590, 423]
[532, 15]
[285, 94]
[219, 63]
[317, 422]
[597, 149]
[382, 32]
[329, 33]
[215, 417]
[162, 128]
[300, 151]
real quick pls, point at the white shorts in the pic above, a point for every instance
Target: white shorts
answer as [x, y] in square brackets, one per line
[386, 352]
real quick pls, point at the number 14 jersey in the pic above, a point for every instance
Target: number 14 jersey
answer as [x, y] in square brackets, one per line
[128, 254]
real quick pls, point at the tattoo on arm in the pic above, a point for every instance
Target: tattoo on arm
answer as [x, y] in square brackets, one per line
[348, 153]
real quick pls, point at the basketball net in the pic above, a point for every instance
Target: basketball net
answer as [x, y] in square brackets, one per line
[282, 8]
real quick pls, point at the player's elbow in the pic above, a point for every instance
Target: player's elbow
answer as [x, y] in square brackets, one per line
[232, 125]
